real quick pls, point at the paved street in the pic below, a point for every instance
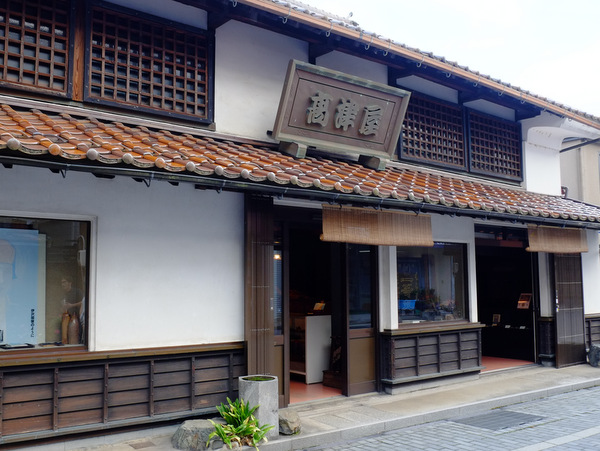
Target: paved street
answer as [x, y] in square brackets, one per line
[569, 421]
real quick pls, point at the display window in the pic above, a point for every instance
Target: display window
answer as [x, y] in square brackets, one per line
[43, 282]
[431, 283]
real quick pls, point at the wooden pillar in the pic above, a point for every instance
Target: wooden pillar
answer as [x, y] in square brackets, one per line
[258, 315]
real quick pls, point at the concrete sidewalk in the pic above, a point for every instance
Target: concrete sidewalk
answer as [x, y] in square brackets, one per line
[340, 418]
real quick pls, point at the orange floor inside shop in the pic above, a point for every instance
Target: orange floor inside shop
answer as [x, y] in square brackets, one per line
[301, 392]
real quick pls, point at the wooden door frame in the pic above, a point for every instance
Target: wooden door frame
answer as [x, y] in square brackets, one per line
[561, 360]
[353, 334]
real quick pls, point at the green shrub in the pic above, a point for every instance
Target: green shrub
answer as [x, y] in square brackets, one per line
[242, 427]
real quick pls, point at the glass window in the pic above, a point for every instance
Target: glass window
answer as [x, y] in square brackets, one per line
[431, 283]
[43, 282]
[360, 287]
[277, 293]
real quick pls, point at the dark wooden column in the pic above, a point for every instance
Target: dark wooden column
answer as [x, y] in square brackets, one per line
[258, 322]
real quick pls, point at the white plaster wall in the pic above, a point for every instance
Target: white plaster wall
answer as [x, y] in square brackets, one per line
[543, 136]
[590, 174]
[541, 169]
[570, 166]
[167, 262]
[590, 265]
[170, 10]
[580, 172]
[492, 108]
[412, 82]
[250, 68]
[354, 65]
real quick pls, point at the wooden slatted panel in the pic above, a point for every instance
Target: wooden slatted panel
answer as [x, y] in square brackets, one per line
[405, 357]
[80, 395]
[25, 401]
[470, 349]
[430, 354]
[172, 382]
[209, 381]
[592, 330]
[449, 353]
[128, 390]
[51, 400]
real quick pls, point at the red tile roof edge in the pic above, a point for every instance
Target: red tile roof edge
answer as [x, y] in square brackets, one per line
[52, 137]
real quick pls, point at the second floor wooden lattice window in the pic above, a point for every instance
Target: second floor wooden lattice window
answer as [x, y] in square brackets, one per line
[145, 64]
[455, 137]
[495, 146]
[35, 45]
[433, 133]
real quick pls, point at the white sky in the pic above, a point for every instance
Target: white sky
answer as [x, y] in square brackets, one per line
[548, 47]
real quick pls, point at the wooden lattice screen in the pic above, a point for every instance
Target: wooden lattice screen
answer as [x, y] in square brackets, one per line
[34, 44]
[495, 146]
[141, 63]
[433, 132]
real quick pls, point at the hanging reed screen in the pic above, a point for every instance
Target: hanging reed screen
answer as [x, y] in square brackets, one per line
[556, 240]
[145, 64]
[34, 44]
[377, 227]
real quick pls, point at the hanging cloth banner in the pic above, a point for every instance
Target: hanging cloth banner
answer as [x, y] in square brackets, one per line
[377, 227]
[556, 240]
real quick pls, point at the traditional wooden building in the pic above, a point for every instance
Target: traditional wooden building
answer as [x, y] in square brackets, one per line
[194, 190]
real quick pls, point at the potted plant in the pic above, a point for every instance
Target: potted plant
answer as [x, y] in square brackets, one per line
[241, 426]
[262, 390]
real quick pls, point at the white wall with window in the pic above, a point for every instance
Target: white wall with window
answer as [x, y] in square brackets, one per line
[165, 263]
[442, 277]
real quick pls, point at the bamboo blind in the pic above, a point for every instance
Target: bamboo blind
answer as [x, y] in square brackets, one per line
[384, 228]
[556, 240]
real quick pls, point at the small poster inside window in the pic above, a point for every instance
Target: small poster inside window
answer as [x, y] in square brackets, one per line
[524, 301]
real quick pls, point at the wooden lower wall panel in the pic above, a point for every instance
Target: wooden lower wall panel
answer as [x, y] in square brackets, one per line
[128, 411]
[134, 390]
[25, 425]
[79, 403]
[208, 400]
[172, 392]
[429, 354]
[172, 405]
[122, 398]
[22, 394]
[79, 418]
[28, 409]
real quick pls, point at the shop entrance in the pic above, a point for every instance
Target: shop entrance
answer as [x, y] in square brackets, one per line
[327, 338]
[506, 298]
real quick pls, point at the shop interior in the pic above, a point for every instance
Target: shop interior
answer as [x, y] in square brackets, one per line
[505, 296]
[315, 316]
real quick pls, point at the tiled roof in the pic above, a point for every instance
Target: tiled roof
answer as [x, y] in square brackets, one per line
[55, 136]
[332, 24]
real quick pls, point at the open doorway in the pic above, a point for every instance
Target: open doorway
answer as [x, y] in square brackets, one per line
[506, 298]
[315, 315]
[327, 311]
